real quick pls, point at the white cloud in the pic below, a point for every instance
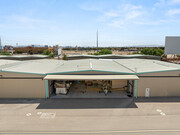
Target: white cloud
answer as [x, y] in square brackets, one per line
[25, 19]
[117, 23]
[24, 22]
[132, 11]
[111, 14]
[121, 15]
[133, 14]
[1, 25]
[128, 7]
[125, 14]
[165, 3]
[175, 1]
[145, 22]
[91, 7]
[173, 12]
[160, 3]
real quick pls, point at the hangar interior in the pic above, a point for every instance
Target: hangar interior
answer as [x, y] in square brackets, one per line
[90, 88]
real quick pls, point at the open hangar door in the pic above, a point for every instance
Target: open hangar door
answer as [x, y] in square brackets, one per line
[91, 86]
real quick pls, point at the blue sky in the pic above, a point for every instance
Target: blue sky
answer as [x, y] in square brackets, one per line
[75, 22]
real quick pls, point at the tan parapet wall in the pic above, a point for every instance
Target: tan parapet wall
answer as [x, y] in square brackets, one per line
[159, 86]
[22, 88]
[31, 87]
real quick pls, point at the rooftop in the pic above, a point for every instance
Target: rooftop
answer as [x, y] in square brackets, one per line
[124, 66]
[7, 63]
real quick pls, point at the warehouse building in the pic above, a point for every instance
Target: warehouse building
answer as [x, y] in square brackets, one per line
[96, 78]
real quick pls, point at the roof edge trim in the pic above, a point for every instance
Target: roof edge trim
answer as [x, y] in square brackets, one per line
[90, 70]
[22, 72]
[158, 71]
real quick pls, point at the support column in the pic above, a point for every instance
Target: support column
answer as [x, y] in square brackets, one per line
[47, 88]
[135, 89]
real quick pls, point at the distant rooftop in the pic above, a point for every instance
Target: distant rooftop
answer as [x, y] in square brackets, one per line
[23, 57]
[112, 56]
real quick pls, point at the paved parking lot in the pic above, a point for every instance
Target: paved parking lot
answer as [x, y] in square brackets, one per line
[91, 116]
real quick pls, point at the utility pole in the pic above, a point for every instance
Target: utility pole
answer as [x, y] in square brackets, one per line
[0, 43]
[97, 42]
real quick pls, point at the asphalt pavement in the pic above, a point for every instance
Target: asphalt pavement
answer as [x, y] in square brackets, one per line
[152, 116]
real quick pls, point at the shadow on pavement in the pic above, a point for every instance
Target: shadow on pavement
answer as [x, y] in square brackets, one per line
[88, 103]
[157, 99]
[91, 103]
[21, 101]
[75, 103]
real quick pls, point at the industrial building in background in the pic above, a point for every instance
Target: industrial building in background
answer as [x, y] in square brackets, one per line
[172, 49]
[172, 45]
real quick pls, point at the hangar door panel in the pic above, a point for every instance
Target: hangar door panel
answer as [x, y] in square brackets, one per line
[155, 87]
[22, 88]
[119, 83]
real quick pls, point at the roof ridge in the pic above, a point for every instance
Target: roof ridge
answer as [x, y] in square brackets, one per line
[90, 64]
[124, 66]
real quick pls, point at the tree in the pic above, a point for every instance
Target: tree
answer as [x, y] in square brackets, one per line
[154, 51]
[5, 53]
[46, 52]
[103, 52]
[19, 51]
[64, 57]
[52, 55]
[30, 52]
[39, 51]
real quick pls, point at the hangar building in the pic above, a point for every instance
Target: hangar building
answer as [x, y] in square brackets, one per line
[110, 78]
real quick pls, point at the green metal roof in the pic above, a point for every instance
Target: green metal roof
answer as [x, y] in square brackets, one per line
[7, 63]
[124, 66]
[146, 66]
